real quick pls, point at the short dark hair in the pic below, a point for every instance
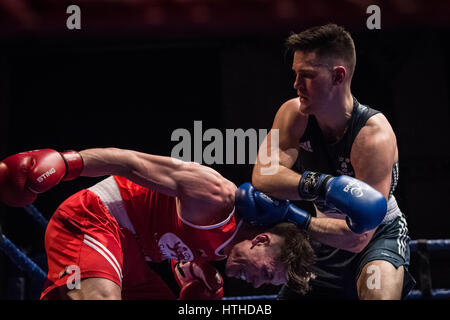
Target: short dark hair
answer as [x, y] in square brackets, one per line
[296, 254]
[328, 41]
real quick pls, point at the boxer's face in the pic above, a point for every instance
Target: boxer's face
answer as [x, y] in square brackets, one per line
[313, 81]
[257, 261]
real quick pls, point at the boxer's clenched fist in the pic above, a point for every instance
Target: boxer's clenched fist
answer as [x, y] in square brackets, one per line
[24, 175]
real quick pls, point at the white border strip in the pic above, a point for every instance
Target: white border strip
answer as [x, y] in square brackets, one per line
[217, 225]
[97, 246]
[109, 193]
[401, 239]
[228, 241]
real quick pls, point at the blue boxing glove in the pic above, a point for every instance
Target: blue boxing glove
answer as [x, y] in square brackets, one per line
[364, 206]
[258, 209]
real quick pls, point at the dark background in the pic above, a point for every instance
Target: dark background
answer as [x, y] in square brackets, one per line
[136, 71]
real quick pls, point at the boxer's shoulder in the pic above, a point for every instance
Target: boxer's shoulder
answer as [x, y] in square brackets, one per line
[376, 131]
[375, 144]
[290, 119]
[291, 107]
[379, 121]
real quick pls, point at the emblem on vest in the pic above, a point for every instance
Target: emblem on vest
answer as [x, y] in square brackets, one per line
[173, 248]
[345, 167]
[306, 146]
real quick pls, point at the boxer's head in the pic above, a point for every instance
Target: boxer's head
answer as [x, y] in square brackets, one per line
[276, 256]
[324, 60]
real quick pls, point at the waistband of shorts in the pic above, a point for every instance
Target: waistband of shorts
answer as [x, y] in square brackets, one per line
[108, 191]
[393, 211]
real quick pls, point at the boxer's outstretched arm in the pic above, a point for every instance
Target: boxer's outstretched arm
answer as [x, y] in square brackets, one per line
[204, 195]
[147, 170]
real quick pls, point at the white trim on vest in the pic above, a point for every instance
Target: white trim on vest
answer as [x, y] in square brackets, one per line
[213, 226]
[223, 245]
[108, 191]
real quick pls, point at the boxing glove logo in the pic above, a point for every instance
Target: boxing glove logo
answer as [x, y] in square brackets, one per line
[355, 189]
[45, 175]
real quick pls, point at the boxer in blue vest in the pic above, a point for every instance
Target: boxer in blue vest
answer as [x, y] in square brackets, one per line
[324, 133]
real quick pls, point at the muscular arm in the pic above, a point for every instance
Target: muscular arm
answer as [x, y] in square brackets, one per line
[373, 154]
[204, 196]
[335, 233]
[290, 124]
[284, 183]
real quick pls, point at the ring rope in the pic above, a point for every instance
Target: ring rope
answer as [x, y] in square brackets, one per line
[21, 260]
[436, 294]
[37, 216]
[432, 245]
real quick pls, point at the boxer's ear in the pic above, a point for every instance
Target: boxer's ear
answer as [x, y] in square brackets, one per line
[339, 74]
[261, 239]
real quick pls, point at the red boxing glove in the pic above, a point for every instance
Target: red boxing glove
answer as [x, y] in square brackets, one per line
[198, 280]
[24, 175]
